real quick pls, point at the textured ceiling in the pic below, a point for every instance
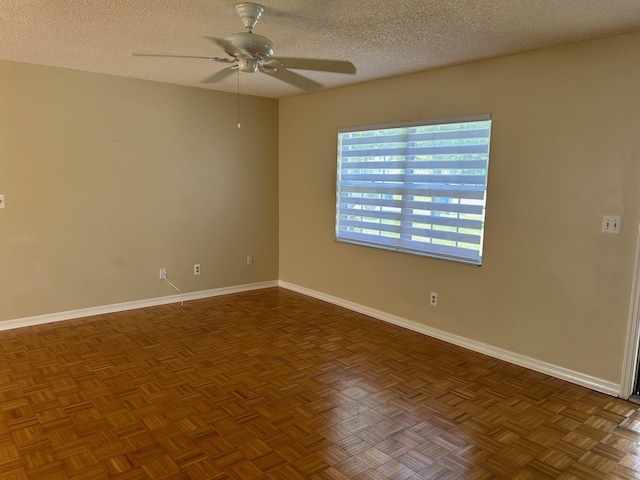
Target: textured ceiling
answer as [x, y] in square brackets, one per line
[382, 38]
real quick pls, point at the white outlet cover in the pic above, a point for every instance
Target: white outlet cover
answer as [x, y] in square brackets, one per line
[2, 200]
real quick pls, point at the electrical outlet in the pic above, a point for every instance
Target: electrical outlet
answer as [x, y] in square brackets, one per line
[196, 269]
[249, 259]
[163, 273]
[433, 299]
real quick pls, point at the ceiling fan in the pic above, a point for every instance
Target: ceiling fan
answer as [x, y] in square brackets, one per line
[250, 52]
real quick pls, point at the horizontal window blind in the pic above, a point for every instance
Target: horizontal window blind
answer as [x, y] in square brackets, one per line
[415, 187]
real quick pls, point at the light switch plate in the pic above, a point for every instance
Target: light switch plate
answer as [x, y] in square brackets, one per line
[1, 200]
[611, 223]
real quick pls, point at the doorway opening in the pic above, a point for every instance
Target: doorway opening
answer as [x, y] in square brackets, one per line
[630, 382]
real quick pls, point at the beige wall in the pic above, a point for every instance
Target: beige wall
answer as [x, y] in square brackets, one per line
[108, 179]
[565, 150]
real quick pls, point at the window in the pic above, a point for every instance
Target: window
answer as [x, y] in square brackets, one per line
[415, 187]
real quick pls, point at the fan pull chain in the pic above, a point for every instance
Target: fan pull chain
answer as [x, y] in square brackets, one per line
[239, 124]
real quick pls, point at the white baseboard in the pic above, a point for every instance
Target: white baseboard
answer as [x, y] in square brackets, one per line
[121, 307]
[594, 383]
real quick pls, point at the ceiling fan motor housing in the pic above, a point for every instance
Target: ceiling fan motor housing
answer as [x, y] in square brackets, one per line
[245, 44]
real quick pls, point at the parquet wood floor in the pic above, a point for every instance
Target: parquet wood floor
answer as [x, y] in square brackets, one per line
[271, 384]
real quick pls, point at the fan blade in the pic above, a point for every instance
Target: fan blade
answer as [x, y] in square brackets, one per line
[215, 59]
[218, 76]
[294, 79]
[317, 64]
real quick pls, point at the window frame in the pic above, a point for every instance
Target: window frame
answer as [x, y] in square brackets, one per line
[463, 192]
